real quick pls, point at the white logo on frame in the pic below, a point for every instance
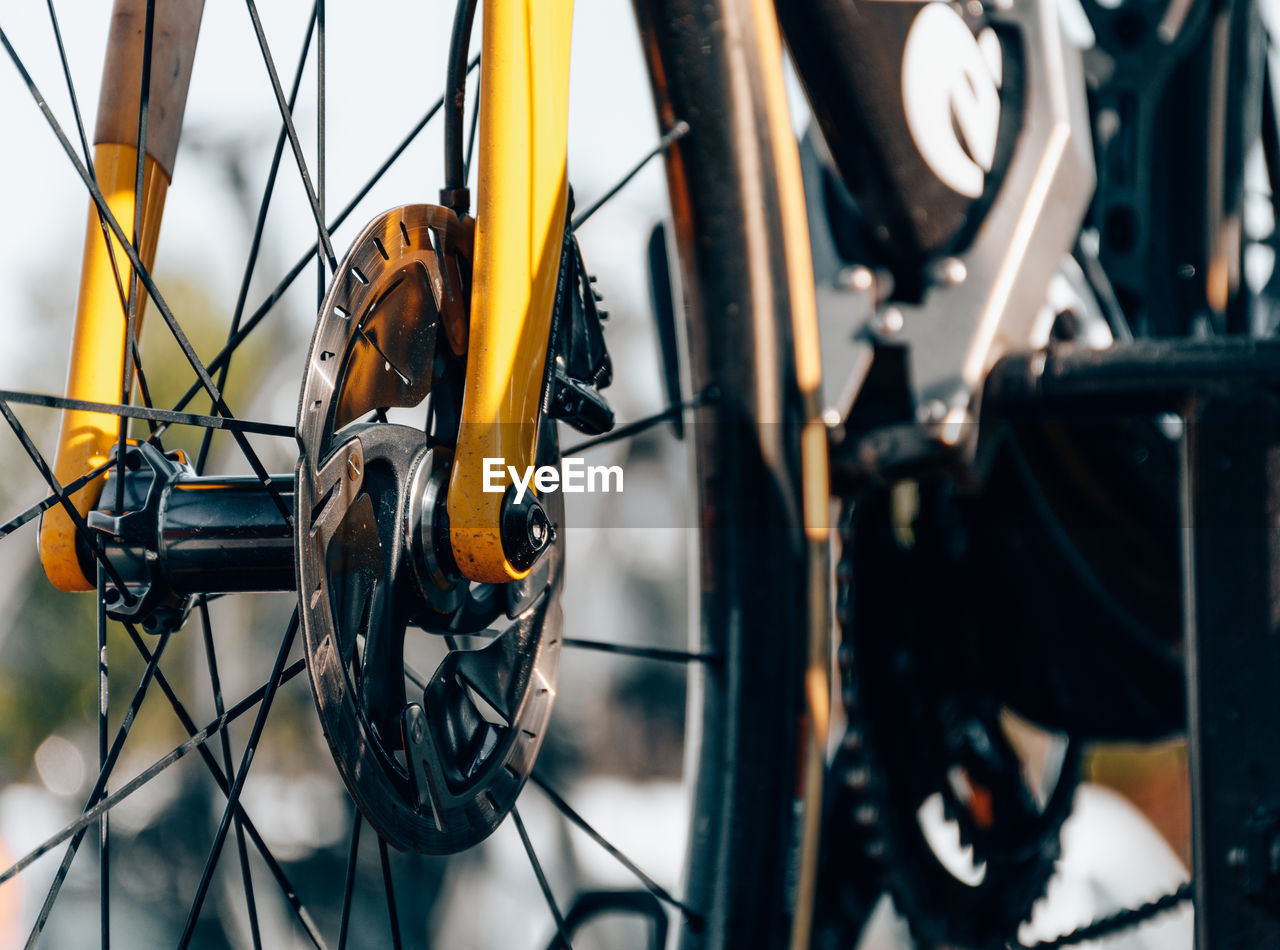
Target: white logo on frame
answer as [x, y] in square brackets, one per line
[950, 91]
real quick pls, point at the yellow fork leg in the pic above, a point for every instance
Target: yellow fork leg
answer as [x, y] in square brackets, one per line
[97, 354]
[520, 220]
[96, 370]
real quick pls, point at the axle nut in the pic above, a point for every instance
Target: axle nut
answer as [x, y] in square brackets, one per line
[526, 530]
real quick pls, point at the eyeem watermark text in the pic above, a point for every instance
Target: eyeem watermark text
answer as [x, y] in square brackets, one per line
[576, 477]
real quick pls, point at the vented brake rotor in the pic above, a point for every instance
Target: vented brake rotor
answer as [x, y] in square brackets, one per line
[434, 760]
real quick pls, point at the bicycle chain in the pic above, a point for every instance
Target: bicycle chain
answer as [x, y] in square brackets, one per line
[1113, 924]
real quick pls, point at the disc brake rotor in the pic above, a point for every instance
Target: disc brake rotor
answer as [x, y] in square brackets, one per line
[434, 761]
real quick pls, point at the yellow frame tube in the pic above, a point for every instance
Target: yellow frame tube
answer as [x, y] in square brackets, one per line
[96, 370]
[522, 196]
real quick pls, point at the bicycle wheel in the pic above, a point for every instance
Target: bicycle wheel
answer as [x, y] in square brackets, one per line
[260, 845]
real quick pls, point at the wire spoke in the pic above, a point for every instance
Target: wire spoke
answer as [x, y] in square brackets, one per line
[652, 886]
[178, 334]
[237, 784]
[71, 86]
[673, 135]
[215, 771]
[131, 311]
[349, 886]
[648, 653]
[542, 880]
[259, 226]
[78, 519]
[263, 309]
[389, 887]
[197, 737]
[471, 135]
[104, 844]
[40, 507]
[215, 684]
[99, 786]
[167, 416]
[201, 736]
[632, 429]
[102, 224]
[322, 236]
[287, 118]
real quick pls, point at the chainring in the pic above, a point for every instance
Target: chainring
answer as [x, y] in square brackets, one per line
[434, 762]
[915, 735]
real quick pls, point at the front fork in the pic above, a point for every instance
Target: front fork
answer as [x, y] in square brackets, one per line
[522, 197]
[520, 222]
[97, 366]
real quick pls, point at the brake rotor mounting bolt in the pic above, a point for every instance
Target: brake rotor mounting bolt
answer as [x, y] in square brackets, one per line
[353, 468]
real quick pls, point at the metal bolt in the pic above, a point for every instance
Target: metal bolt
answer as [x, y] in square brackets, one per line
[539, 528]
[952, 271]
[856, 278]
[353, 467]
[857, 778]
[888, 321]
[419, 729]
[932, 411]
[866, 815]
[954, 425]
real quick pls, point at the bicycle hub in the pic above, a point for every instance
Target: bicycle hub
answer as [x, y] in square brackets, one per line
[178, 534]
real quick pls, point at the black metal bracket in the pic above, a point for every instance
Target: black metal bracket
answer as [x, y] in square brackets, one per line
[1231, 530]
[1226, 392]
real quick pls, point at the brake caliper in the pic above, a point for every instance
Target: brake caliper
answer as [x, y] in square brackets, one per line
[580, 365]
